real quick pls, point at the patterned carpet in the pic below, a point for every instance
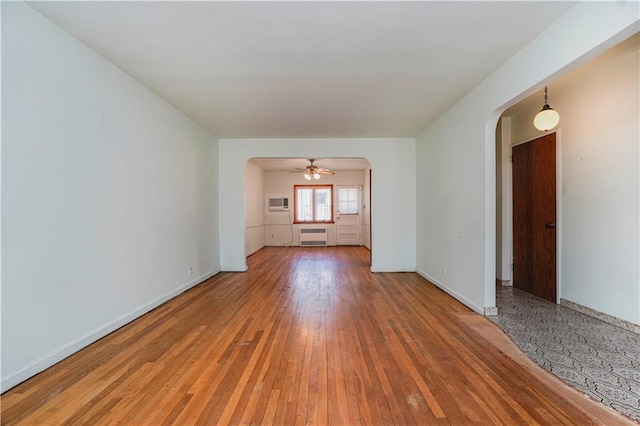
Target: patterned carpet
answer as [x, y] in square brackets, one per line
[597, 358]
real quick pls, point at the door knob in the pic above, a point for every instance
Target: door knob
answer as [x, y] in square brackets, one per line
[549, 225]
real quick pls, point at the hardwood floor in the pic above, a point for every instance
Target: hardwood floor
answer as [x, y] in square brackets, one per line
[305, 336]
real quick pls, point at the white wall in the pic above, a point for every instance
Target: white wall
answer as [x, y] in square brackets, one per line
[109, 195]
[279, 227]
[366, 210]
[504, 220]
[455, 191]
[254, 202]
[392, 161]
[599, 230]
[498, 202]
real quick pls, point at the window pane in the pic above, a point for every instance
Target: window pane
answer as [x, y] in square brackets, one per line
[304, 206]
[313, 203]
[348, 200]
[323, 204]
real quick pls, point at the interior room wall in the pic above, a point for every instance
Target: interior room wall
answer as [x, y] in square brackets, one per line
[498, 201]
[109, 196]
[279, 227]
[366, 209]
[255, 208]
[393, 217]
[599, 164]
[455, 193]
[504, 220]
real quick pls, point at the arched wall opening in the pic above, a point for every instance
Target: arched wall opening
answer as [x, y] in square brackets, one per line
[270, 218]
[456, 193]
[393, 192]
[598, 182]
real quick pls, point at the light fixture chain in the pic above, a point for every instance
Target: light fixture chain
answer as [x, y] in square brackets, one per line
[545, 95]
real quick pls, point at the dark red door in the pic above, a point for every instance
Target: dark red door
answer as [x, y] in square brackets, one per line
[534, 217]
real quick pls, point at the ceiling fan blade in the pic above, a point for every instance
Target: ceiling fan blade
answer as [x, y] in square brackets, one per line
[298, 170]
[324, 171]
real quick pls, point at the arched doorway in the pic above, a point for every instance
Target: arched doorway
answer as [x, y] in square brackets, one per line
[272, 190]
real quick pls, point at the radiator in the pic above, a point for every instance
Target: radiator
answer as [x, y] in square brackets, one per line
[313, 237]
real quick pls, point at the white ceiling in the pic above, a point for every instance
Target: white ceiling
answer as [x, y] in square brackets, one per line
[307, 69]
[289, 164]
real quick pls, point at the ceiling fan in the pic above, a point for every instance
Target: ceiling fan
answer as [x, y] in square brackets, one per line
[312, 171]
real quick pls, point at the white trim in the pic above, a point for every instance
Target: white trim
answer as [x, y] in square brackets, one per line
[451, 292]
[558, 214]
[505, 255]
[58, 355]
[610, 319]
[388, 271]
[235, 268]
[490, 311]
[490, 214]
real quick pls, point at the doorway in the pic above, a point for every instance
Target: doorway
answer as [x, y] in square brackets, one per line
[273, 180]
[348, 215]
[534, 217]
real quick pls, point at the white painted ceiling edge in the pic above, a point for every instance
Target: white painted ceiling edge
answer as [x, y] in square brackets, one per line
[289, 164]
[307, 69]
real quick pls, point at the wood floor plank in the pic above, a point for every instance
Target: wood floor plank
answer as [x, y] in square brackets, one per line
[305, 336]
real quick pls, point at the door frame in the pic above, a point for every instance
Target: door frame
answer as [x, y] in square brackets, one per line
[507, 196]
[336, 196]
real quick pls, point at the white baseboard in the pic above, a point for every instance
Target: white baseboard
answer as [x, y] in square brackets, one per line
[451, 292]
[235, 268]
[490, 311]
[619, 322]
[389, 270]
[58, 355]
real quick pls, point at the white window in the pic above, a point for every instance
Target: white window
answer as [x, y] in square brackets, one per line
[348, 200]
[313, 203]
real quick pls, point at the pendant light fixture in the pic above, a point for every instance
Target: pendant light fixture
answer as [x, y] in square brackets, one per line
[547, 118]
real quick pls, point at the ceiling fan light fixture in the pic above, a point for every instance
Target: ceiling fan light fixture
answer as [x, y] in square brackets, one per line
[547, 118]
[313, 172]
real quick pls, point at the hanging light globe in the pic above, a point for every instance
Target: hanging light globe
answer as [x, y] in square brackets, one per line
[547, 118]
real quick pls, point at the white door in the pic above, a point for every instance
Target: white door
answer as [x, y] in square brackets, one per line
[349, 225]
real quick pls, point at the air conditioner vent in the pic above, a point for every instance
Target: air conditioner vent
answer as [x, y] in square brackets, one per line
[313, 237]
[312, 243]
[313, 231]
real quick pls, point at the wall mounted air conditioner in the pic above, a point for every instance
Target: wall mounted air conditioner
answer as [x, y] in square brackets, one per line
[279, 204]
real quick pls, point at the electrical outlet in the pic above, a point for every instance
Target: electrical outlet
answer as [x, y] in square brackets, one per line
[190, 271]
